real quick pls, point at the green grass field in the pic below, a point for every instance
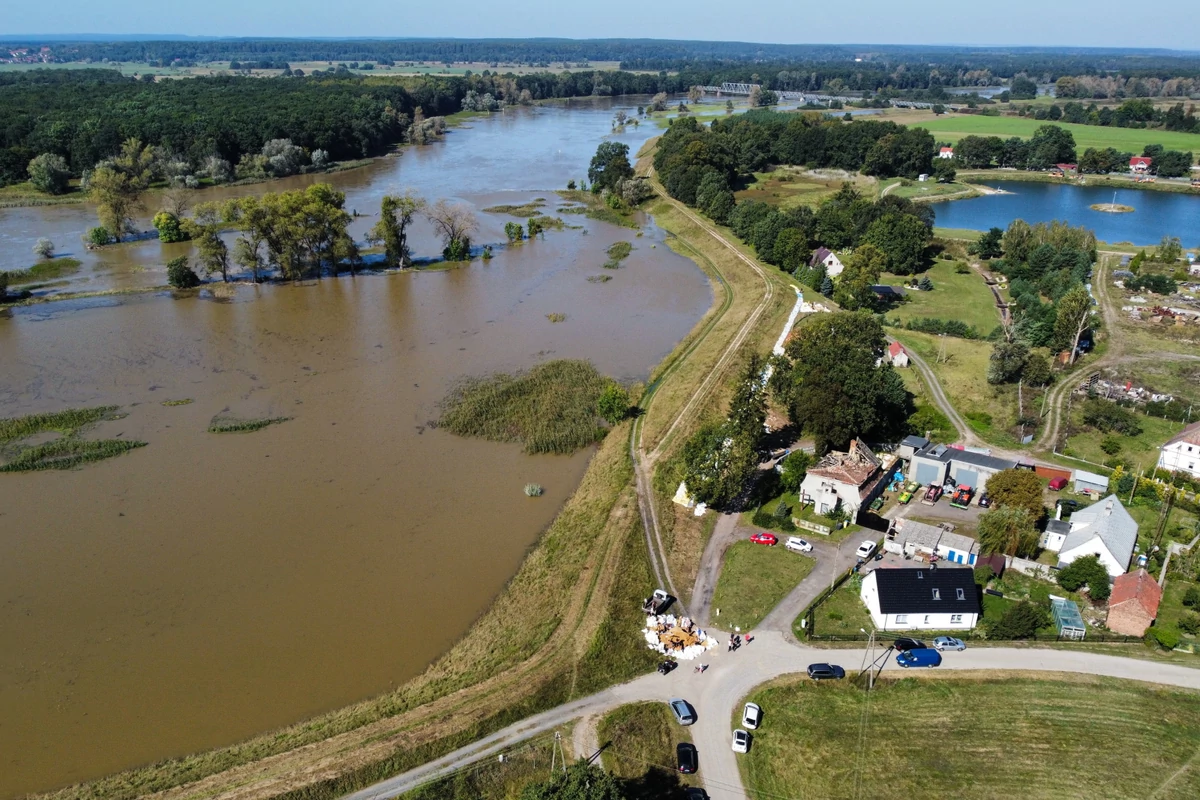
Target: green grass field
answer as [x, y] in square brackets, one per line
[919, 190]
[641, 741]
[1141, 450]
[754, 580]
[842, 613]
[953, 128]
[976, 736]
[963, 297]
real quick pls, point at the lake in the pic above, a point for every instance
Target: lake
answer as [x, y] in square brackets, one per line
[206, 588]
[1156, 214]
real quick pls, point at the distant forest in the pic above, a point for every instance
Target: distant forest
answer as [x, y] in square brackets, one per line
[878, 61]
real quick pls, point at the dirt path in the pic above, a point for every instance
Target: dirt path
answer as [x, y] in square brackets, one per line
[938, 396]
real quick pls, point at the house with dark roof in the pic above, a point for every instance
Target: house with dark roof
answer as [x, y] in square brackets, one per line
[1105, 530]
[1182, 454]
[887, 294]
[921, 599]
[937, 464]
[827, 258]
[1133, 605]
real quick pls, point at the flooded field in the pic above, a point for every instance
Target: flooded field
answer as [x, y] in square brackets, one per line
[208, 587]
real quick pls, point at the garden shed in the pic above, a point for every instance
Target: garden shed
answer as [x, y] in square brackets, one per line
[1090, 482]
[1067, 618]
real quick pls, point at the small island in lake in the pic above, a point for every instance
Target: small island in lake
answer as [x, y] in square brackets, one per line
[1111, 208]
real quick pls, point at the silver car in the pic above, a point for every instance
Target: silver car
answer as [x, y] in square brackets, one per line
[684, 713]
[949, 643]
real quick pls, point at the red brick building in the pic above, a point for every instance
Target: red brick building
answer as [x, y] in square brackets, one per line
[1133, 605]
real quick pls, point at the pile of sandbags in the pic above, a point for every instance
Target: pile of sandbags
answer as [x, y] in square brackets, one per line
[676, 637]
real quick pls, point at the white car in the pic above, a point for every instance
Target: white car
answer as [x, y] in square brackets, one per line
[798, 545]
[741, 741]
[865, 549]
[751, 716]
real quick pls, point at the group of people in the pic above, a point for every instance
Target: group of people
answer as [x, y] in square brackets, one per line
[736, 641]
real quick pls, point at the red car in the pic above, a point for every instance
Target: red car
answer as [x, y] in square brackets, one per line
[765, 538]
[1058, 484]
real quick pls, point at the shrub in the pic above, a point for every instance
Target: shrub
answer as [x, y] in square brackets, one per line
[1106, 416]
[180, 275]
[49, 173]
[982, 576]
[1020, 622]
[961, 269]
[534, 490]
[613, 405]
[1167, 638]
[1190, 623]
[1191, 598]
[169, 228]
[44, 248]
[1086, 571]
[99, 236]
[1110, 445]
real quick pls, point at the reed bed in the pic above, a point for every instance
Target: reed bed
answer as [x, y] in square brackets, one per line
[65, 422]
[68, 452]
[187, 401]
[617, 253]
[548, 409]
[44, 271]
[228, 425]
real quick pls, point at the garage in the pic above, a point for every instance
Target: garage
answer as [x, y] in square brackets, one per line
[967, 477]
[927, 473]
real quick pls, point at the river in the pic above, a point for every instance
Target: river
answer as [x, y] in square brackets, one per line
[1156, 214]
[206, 588]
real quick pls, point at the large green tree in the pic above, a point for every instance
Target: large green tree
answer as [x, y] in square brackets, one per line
[903, 239]
[609, 166]
[1017, 488]
[1008, 530]
[49, 173]
[1073, 318]
[837, 390]
[852, 290]
[396, 213]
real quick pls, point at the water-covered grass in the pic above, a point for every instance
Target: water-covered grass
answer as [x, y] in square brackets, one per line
[599, 278]
[187, 401]
[595, 208]
[221, 424]
[530, 209]
[66, 453]
[44, 271]
[549, 409]
[617, 253]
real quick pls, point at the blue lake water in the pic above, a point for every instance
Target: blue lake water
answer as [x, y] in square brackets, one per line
[1155, 215]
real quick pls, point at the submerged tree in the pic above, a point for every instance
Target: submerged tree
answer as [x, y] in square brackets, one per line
[454, 223]
[396, 214]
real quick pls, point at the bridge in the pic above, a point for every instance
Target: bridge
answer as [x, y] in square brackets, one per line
[810, 98]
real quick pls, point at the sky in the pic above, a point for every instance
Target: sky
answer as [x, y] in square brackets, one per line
[1080, 23]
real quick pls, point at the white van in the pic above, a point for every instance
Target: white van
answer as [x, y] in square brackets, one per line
[797, 545]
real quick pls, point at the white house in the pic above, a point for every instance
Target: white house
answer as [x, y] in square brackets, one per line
[897, 355]
[929, 542]
[1105, 530]
[828, 258]
[1182, 454]
[946, 152]
[921, 599]
[844, 479]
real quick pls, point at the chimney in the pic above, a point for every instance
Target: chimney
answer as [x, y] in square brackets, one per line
[1058, 511]
[1108, 508]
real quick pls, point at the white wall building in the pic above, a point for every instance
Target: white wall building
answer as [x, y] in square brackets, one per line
[1105, 530]
[944, 599]
[1182, 454]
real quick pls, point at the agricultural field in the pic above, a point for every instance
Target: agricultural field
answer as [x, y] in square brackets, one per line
[1033, 736]
[956, 295]
[953, 128]
[754, 579]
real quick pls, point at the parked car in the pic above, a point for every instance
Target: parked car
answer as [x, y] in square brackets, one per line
[1069, 506]
[865, 549]
[798, 545]
[1058, 484]
[741, 741]
[768, 539]
[922, 657]
[687, 758]
[696, 793]
[666, 667]
[907, 643]
[949, 643]
[684, 713]
[751, 716]
[984, 500]
[821, 672]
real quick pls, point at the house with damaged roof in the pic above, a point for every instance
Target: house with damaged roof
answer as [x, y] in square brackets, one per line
[848, 480]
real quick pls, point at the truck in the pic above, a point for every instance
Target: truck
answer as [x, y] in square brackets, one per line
[656, 603]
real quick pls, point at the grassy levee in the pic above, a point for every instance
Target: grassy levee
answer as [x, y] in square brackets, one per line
[561, 628]
[975, 734]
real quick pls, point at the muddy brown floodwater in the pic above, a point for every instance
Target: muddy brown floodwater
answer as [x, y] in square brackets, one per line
[210, 587]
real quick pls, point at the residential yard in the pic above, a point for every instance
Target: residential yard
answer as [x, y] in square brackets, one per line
[1172, 609]
[754, 579]
[641, 742]
[953, 128]
[842, 614]
[976, 735]
[1141, 450]
[805, 512]
[955, 295]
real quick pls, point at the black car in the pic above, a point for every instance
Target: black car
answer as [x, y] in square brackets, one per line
[905, 643]
[984, 500]
[820, 672]
[688, 758]
[696, 793]
[665, 667]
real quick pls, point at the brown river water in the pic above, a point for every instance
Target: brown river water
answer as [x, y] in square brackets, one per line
[206, 588]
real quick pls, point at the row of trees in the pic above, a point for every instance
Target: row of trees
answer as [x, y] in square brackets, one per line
[1052, 144]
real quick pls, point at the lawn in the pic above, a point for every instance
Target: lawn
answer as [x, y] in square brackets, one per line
[639, 742]
[964, 297]
[842, 613]
[754, 579]
[975, 736]
[917, 190]
[953, 128]
[1141, 450]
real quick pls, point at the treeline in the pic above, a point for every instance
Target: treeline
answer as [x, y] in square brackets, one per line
[1137, 113]
[1052, 144]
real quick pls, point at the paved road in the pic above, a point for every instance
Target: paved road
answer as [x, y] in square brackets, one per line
[718, 693]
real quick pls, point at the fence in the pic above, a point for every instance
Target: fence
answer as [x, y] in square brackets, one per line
[973, 636]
